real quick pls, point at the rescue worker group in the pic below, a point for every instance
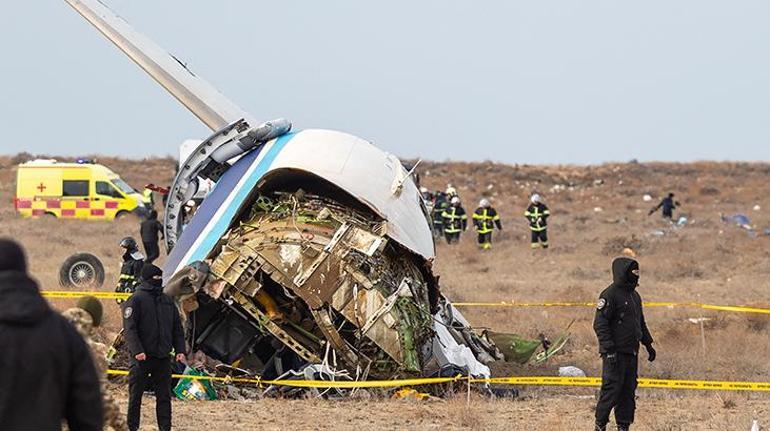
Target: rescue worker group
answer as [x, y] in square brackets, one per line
[450, 219]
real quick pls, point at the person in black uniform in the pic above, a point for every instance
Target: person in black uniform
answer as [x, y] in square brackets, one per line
[47, 375]
[620, 327]
[152, 328]
[668, 204]
[150, 229]
[131, 267]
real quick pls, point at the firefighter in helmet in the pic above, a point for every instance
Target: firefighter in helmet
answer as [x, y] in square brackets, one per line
[537, 214]
[485, 219]
[131, 267]
[455, 221]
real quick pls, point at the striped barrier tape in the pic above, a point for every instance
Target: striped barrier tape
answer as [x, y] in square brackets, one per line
[74, 294]
[643, 383]
[729, 308]
[527, 380]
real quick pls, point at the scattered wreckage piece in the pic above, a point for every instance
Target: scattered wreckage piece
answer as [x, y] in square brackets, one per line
[522, 350]
[81, 270]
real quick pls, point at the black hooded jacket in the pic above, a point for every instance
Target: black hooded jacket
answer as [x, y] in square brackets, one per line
[619, 322]
[46, 371]
[151, 323]
[150, 229]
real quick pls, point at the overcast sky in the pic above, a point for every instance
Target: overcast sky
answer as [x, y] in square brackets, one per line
[512, 81]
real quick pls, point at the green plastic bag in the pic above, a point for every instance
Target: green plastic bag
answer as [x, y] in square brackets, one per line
[194, 389]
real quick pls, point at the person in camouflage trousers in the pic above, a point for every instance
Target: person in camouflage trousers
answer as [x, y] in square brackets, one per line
[85, 317]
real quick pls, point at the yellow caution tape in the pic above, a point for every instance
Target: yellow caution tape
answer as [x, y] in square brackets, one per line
[525, 380]
[74, 294]
[643, 383]
[345, 384]
[731, 308]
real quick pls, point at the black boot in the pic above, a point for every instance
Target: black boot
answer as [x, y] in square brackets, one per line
[624, 427]
[599, 427]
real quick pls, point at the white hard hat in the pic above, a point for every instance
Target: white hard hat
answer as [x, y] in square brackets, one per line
[423, 190]
[485, 203]
[535, 198]
[455, 200]
[190, 204]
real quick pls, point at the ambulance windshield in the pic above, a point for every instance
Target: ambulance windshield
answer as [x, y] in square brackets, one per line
[123, 186]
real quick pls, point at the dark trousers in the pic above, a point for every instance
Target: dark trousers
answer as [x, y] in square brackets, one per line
[618, 390]
[485, 240]
[152, 250]
[540, 238]
[452, 237]
[438, 229]
[156, 372]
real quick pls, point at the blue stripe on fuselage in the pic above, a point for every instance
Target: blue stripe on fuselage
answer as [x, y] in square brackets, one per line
[222, 223]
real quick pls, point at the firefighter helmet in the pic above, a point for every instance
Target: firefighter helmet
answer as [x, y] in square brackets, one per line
[129, 243]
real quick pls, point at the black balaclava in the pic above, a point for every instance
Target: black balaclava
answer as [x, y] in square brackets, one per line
[11, 256]
[153, 215]
[625, 272]
[152, 275]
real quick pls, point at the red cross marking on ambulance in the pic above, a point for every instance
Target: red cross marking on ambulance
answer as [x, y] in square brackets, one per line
[41, 187]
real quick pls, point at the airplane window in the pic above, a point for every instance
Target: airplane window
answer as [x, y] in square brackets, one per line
[75, 188]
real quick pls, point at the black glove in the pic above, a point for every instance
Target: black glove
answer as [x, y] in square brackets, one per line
[611, 358]
[651, 352]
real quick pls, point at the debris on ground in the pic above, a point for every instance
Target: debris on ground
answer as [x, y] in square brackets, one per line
[647, 198]
[410, 394]
[570, 371]
[741, 220]
[518, 349]
[81, 270]
[192, 389]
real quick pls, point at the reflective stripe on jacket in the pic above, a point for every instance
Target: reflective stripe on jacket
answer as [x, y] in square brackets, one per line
[485, 220]
[537, 214]
[455, 219]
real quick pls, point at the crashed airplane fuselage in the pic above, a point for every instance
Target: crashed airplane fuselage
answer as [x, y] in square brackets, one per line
[314, 247]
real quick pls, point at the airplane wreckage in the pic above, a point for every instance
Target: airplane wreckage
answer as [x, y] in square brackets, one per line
[314, 248]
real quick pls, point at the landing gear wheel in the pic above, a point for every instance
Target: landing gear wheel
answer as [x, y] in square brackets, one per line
[81, 270]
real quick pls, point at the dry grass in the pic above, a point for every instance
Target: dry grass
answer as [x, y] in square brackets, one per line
[703, 262]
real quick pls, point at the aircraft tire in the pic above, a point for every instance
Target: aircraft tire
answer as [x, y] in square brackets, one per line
[81, 270]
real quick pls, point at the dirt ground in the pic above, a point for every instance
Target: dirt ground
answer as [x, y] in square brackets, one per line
[596, 212]
[566, 412]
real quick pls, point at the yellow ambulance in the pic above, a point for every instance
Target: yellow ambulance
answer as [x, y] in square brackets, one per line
[73, 190]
